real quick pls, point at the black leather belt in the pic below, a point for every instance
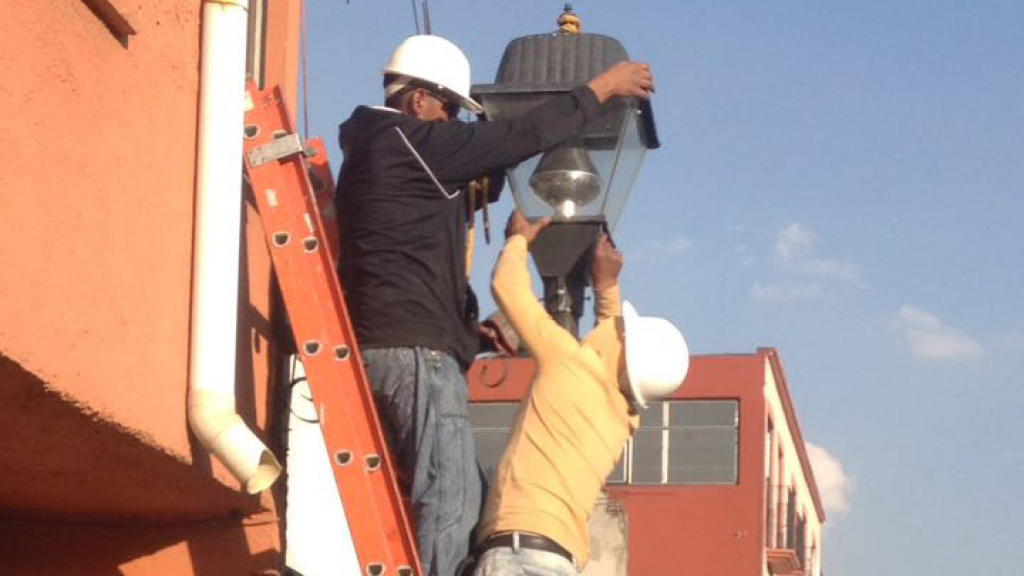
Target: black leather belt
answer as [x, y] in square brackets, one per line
[526, 540]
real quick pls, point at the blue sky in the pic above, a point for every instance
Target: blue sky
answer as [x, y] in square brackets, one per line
[843, 181]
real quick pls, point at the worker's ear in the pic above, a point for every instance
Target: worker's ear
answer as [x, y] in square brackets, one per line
[416, 102]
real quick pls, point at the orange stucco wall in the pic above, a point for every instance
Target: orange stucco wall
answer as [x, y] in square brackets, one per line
[282, 63]
[247, 546]
[98, 192]
[99, 143]
[98, 196]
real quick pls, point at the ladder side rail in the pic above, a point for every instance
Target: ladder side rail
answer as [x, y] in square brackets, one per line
[362, 466]
[322, 181]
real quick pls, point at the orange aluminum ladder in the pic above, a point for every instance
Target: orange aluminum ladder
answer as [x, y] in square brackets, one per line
[284, 173]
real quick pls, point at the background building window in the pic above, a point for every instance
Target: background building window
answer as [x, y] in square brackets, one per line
[800, 540]
[678, 442]
[646, 450]
[491, 423]
[686, 442]
[703, 442]
[619, 475]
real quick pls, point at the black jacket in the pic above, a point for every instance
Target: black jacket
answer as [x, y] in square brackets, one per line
[403, 241]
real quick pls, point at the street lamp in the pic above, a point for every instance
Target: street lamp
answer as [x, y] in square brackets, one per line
[583, 184]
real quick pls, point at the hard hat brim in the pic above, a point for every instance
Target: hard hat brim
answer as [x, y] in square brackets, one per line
[630, 319]
[472, 105]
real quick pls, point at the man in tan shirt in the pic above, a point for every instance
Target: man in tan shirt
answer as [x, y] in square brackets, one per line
[573, 425]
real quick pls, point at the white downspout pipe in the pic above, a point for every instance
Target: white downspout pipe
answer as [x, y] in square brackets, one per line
[215, 265]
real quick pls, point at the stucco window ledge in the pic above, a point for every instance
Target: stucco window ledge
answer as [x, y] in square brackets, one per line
[782, 562]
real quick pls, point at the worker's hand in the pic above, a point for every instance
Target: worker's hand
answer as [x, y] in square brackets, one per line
[607, 264]
[497, 335]
[517, 225]
[626, 78]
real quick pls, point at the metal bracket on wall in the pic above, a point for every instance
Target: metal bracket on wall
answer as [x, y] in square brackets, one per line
[281, 147]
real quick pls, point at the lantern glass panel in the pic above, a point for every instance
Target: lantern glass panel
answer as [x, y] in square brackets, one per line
[584, 180]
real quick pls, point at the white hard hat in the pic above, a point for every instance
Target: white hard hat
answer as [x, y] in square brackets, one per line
[657, 356]
[434, 60]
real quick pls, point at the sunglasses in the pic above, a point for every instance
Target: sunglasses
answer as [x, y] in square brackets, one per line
[450, 108]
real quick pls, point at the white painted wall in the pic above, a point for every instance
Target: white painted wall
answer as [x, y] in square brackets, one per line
[792, 473]
[317, 538]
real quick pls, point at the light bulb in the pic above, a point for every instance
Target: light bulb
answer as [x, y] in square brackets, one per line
[567, 209]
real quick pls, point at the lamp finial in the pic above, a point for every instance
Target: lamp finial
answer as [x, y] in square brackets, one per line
[569, 22]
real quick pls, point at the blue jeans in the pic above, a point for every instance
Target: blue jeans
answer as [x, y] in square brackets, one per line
[422, 397]
[508, 561]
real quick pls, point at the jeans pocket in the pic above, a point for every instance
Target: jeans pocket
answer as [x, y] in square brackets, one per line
[448, 389]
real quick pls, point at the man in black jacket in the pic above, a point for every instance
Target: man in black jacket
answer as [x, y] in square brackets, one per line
[402, 213]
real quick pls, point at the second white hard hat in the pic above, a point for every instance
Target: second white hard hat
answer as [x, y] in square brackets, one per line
[437, 61]
[657, 357]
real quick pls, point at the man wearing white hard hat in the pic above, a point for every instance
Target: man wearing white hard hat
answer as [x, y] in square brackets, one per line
[402, 216]
[580, 411]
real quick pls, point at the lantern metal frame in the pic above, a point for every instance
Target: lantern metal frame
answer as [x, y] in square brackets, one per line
[534, 69]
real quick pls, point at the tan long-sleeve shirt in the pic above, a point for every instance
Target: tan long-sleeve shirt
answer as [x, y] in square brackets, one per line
[573, 425]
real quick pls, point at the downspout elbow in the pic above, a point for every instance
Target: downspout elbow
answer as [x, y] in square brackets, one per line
[217, 425]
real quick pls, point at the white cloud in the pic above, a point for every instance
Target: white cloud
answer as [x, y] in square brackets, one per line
[795, 250]
[929, 337]
[784, 291]
[661, 248]
[795, 243]
[803, 273]
[834, 485]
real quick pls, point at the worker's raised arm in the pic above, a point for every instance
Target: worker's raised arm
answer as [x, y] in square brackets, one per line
[512, 290]
[604, 276]
[459, 151]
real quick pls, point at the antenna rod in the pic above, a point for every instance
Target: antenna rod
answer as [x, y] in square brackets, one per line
[426, 16]
[416, 16]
